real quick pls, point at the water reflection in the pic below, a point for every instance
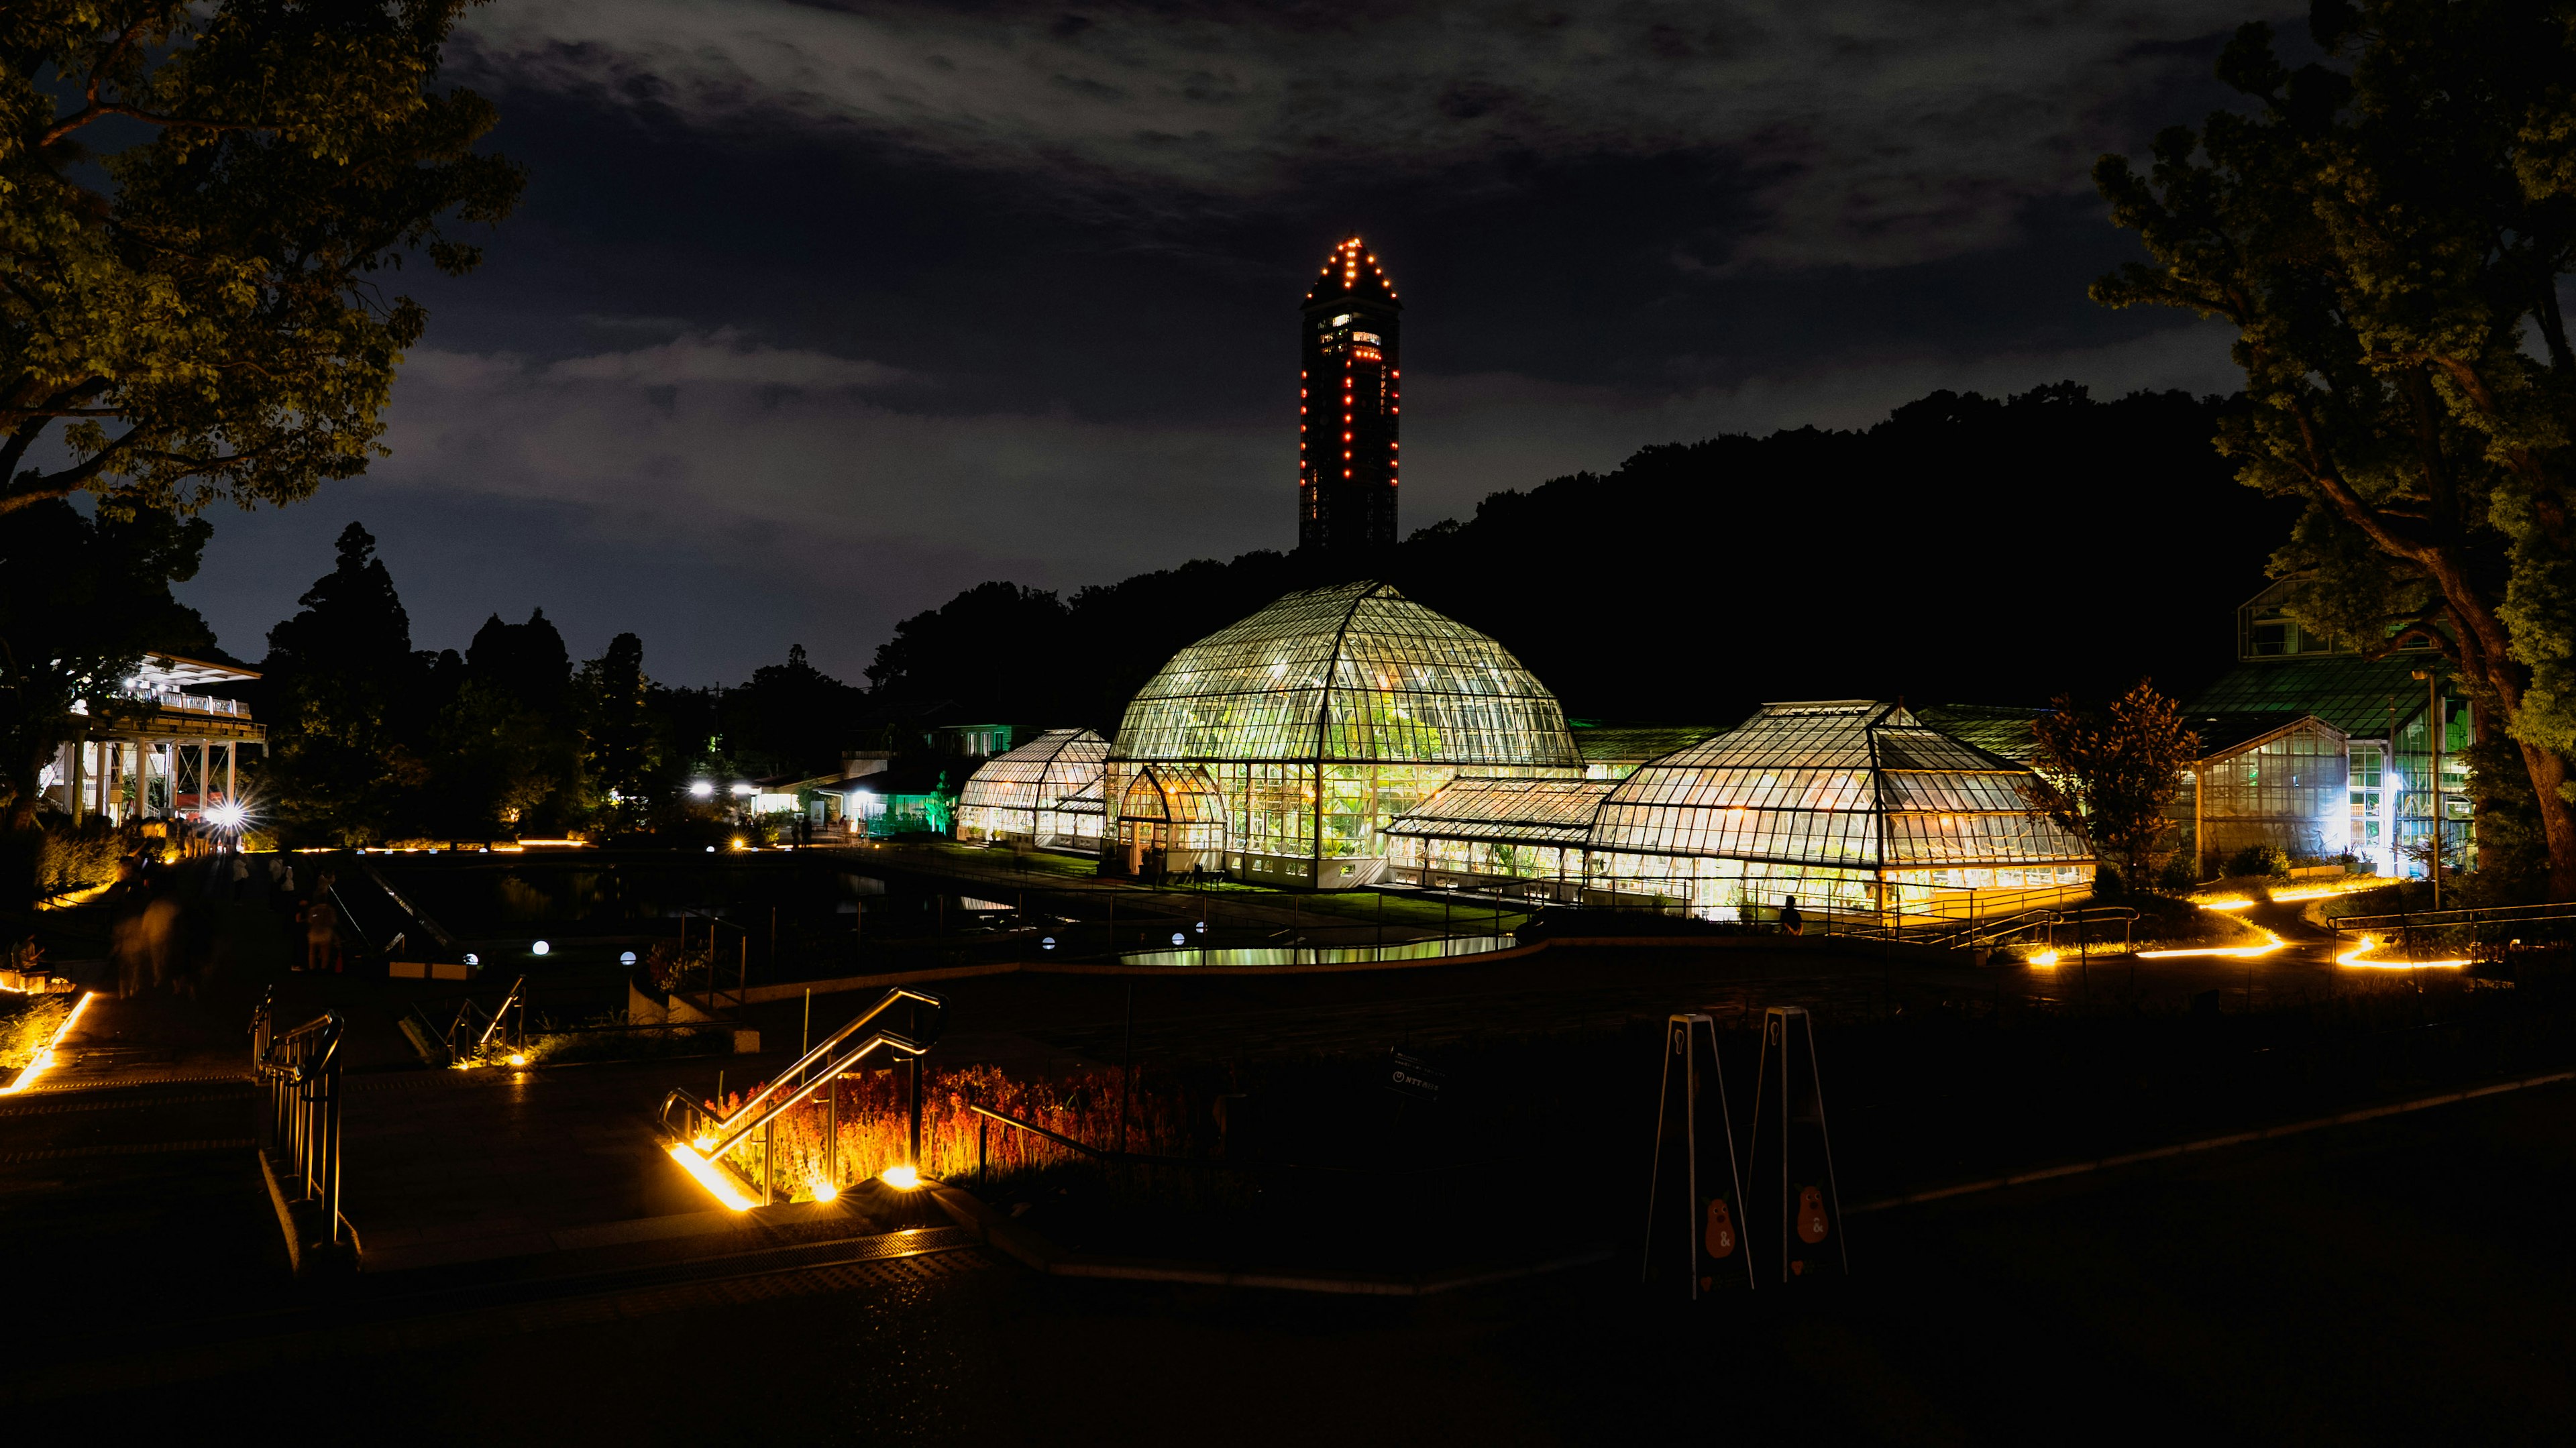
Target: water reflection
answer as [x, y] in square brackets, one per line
[1321, 954]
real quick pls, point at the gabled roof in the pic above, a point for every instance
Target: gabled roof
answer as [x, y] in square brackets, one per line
[1851, 783]
[1636, 743]
[2002, 730]
[2352, 693]
[2233, 733]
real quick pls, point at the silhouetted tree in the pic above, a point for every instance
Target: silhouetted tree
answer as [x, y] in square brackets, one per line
[2387, 231]
[342, 698]
[2108, 774]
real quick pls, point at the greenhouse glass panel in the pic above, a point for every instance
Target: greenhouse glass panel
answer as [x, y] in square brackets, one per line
[1321, 718]
[1846, 805]
[1023, 795]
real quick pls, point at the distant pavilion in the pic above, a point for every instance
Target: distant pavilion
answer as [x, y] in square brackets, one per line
[166, 751]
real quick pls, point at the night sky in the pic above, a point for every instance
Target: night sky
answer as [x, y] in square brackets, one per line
[817, 313]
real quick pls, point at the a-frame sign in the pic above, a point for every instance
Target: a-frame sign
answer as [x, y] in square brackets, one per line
[1792, 1157]
[1694, 1201]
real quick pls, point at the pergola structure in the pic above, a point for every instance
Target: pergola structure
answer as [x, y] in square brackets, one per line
[173, 754]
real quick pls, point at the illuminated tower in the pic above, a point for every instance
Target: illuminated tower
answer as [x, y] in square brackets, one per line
[1349, 385]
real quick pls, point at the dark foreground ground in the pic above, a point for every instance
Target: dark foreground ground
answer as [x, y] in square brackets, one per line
[2402, 1281]
[2405, 1279]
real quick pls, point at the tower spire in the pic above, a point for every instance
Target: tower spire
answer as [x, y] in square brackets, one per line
[1349, 401]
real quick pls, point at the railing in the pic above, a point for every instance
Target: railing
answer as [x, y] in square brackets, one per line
[2482, 933]
[2044, 923]
[476, 1025]
[709, 1138]
[300, 1071]
[199, 704]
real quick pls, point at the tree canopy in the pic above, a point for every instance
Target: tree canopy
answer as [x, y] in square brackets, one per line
[2386, 230]
[1964, 548]
[199, 209]
[2108, 774]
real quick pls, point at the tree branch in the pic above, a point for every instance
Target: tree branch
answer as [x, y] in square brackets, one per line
[97, 109]
[47, 487]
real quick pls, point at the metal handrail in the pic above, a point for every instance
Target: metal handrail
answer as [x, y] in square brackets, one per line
[736, 1129]
[518, 996]
[1993, 931]
[2474, 915]
[794, 1068]
[301, 1069]
[799, 1081]
[462, 1021]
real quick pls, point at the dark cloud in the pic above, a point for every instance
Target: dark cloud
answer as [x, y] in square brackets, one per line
[819, 313]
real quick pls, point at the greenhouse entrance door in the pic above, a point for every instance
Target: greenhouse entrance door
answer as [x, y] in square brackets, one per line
[1171, 820]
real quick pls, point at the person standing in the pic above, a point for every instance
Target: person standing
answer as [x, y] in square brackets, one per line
[1791, 922]
[321, 930]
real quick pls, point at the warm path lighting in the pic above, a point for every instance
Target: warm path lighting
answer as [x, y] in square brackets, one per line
[2353, 958]
[2045, 960]
[2240, 952]
[825, 1191]
[44, 1059]
[901, 1178]
[718, 1184]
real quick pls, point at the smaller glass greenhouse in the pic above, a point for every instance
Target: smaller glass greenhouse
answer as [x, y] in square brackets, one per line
[1035, 794]
[1844, 805]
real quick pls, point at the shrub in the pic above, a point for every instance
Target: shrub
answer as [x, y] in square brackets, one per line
[2180, 873]
[2260, 862]
[25, 1031]
[77, 857]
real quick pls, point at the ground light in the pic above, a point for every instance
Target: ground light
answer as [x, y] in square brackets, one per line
[2369, 943]
[718, 1184]
[539, 948]
[825, 1191]
[901, 1178]
[43, 1060]
[2239, 952]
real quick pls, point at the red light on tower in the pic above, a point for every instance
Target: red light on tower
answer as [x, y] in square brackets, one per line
[1352, 325]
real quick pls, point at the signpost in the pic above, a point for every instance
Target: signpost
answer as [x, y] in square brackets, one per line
[1692, 1190]
[1406, 1076]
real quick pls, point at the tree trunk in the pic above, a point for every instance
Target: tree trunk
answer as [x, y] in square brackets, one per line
[2557, 817]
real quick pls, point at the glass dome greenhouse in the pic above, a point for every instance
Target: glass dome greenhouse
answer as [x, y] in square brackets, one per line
[1310, 725]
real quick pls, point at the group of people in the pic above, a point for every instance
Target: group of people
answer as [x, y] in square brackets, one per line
[149, 941]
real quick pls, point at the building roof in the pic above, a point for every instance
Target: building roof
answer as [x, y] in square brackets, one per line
[1636, 743]
[172, 673]
[1520, 811]
[1999, 729]
[2224, 734]
[2352, 693]
[1057, 763]
[1848, 782]
[1350, 272]
[1356, 673]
